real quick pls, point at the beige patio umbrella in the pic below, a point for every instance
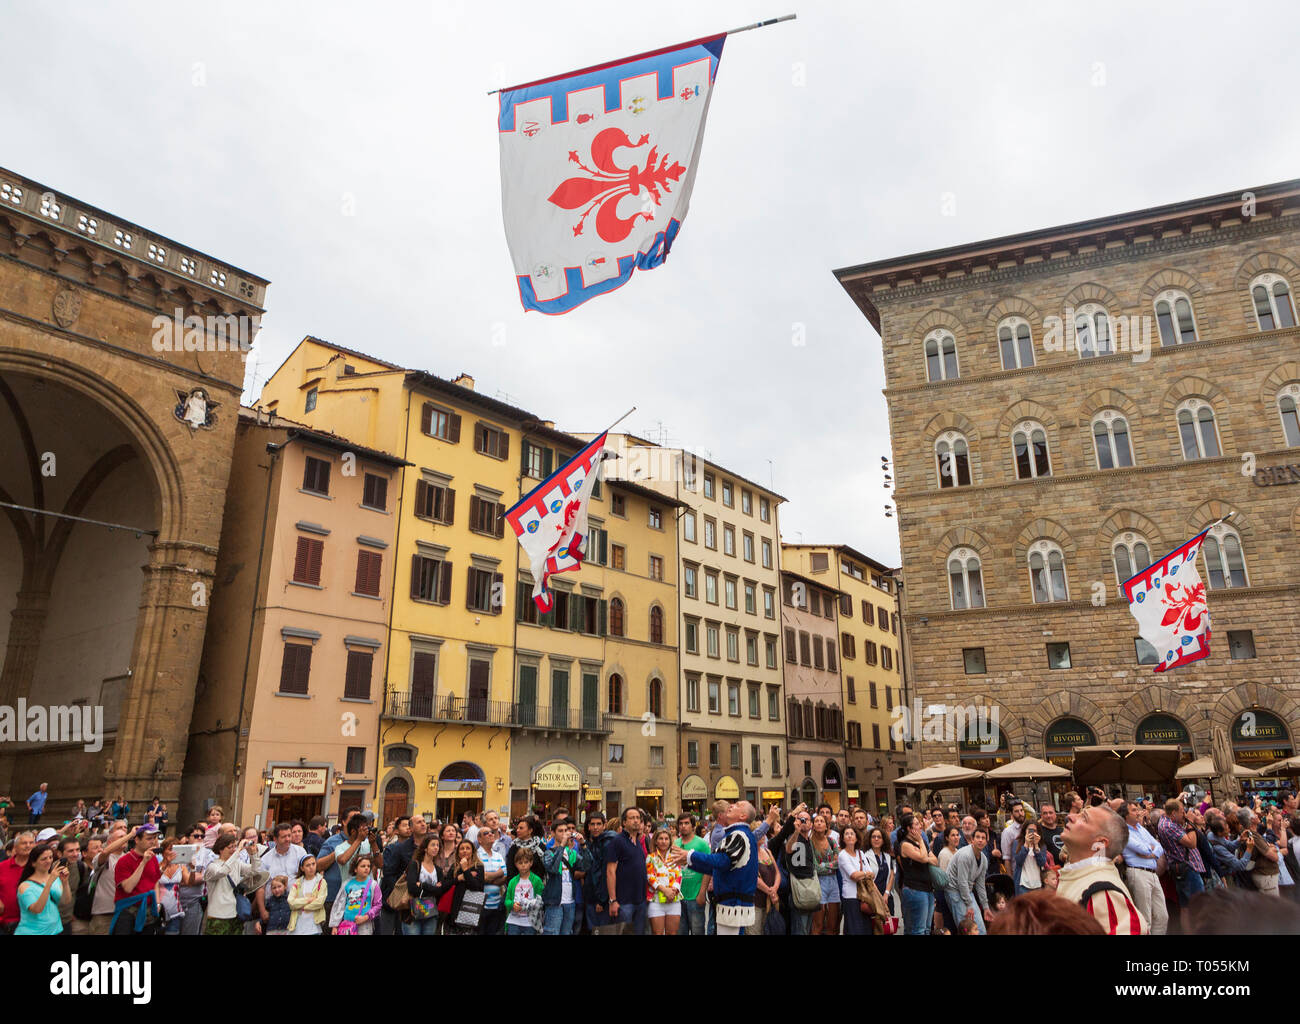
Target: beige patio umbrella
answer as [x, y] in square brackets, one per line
[937, 775]
[1149, 764]
[1203, 768]
[1286, 768]
[1031, 768]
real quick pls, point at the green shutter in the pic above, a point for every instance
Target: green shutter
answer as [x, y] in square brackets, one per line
[575, 613]
[547, 462]
[604, 618]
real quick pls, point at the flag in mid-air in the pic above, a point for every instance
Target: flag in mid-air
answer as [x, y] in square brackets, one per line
[551, 519]
[597, 168]
[1168, 600]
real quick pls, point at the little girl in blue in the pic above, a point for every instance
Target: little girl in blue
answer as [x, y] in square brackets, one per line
[358, 902]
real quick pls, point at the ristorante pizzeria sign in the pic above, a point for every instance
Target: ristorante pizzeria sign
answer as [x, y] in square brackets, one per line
[1275, 476]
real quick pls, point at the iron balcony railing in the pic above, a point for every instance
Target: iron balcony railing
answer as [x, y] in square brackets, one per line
[480, 711]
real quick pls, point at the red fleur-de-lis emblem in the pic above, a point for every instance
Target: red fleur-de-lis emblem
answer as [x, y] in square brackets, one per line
[1186, 609]
[607, 183]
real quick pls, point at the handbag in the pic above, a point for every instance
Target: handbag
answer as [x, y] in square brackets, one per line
[773, 922]
[423, 909]
[938, 877]
[805, 893]
[243, 905]
[471, 909]
[399, 898]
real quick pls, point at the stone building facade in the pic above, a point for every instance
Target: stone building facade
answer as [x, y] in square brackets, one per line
[1043, 454]
[120, 374]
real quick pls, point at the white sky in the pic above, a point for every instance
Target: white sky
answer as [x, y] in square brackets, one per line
[242, 129]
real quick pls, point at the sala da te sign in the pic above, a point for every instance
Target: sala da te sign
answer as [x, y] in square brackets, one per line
[1275, 476]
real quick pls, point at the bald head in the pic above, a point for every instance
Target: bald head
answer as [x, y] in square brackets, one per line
[743, 810]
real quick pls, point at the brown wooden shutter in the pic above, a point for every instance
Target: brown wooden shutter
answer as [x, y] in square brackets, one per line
[497, 580]
[369, 564]
[478, 437]
[448, 506]
[474, 502]
[453, 428]
[317, 554]
[423, 499]
[363, 572]
[380, 497]
[504, 453]
[469, 588]
[415, 576]
[444, 583]
[426, 419]
[500, 520]
[288, 668]
[302, 560]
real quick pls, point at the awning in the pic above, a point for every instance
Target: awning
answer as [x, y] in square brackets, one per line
[939, 775]
[1145, 764]
[1030, 768]
[1203, 768]
[1285, 768]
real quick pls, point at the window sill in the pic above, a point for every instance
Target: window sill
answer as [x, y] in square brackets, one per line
[309, 586]
[315, 494]
[356, 700]
[297, 696]
[373, 508]
[368, 597]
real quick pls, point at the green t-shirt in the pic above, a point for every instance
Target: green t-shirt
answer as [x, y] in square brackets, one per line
[691, 880]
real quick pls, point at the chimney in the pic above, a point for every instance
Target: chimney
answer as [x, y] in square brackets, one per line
[549, 424]
[465, 381]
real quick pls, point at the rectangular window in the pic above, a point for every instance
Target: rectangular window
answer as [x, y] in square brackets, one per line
[729, 592]
[764, 510]
[973, 658]
[618, 503]
[692, 753]
[893, 623]
[755, 768]
[656, 757]
[755, 701]
[875, 736]
[616, 753]
[733, 644]
[708, 485]
[819, 658]
[830, 656]
[770, 644]
[1146, 654]
[871, 689]
[769, 603]
[735, 755]
[656, 519]
[356, 684]
[791, 652]
[316, 476]
[751, 648]
[369, 567]
[774, 703]
[728, 540]
[486, 517]
[868, 613]
[430, 580]
[374, 492]
[436, 502]
[883, 617]
[596, 548]
[356, 761]
[1241, 644]
[715, 695]
[656, 567]
[805, 649]
[693, 693]
[688, 526]
[310, 404]
[815, 602]
[711, 641]
[536, 460]
[692, 637]
[491, 442]
[715, 755]
[886, 657]
[776, 760]
[747, 502]
[852, 692]
[617, 556]
[307, 562]
[525, 607]
[710, 534]
[440, 423]
[767, 553]
[728, 494]
[710, 586]
[869, 652]
[848, 645]
[481, 589]
[1058, 656]
[818, 561]
[295, 669]
[689, 577]
[751, 598]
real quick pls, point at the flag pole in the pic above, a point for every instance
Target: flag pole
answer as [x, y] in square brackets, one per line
[619, 420]
[743, 28]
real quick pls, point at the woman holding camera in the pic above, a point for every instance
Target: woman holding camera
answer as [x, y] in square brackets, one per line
[40, 888]
[1031, 862]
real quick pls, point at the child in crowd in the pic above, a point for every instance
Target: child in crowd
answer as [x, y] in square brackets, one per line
[524, 897]
[277, 906]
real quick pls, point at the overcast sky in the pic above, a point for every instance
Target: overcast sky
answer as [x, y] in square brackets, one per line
[249, 130]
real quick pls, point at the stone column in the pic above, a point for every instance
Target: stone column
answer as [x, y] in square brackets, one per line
[23, 646]
[153, 729]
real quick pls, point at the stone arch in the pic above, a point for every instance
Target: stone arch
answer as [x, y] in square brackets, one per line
[1009, 723]
[1150, 699]
[1029, 410]
[149, 440]
[1262, 263]
[1195, 387]
[962, 537]
[1091, 291]
[398, 775]
[1043, 529]
[1215, 508]
[952, 421]
[1120, 521]
[1245, 696]
[1065, 703]
[1280, 377]
[1171, 277]
[934, 319]
[1012, 305]
[1112, 398]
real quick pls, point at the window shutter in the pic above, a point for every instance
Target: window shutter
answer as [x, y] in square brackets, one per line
[415, 576]
[469, 588]
[363, 573]
[504, 453]
[444, 580]
[423, 502]
[317, 553]
[288, 668]
[376, 570]
[478, 437]
[604, 618]
[474, 502]
[498, 580]
[501, 520]
[381, 493]
[575, 613]
[302, 560]
[426, 419]
[453, 428]
[548, 462]
[448, 506]
[604, 548]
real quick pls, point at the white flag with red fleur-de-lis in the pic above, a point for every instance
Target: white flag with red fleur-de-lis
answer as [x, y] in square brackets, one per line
[1168, 600]
[597, 168]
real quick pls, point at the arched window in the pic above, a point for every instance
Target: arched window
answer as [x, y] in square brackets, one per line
[1132, 555]
[1029, 443]
[1174, 318]
[1047, 573]
[616, 694]
[965, 579]
[656, 625]
[953, 457]
[1110, 436]
[940, 356]
[657, 698]
[616, 617]
[1092, 334]
[1015, 343]
[1287, 404]
[1225, 565]
[1274, 306]
[1197, 429]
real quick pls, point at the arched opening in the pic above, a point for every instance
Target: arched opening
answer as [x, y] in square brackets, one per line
[461, 788]
[1059, 740]
[1259, 738]
[397, 799]
[1163, 728]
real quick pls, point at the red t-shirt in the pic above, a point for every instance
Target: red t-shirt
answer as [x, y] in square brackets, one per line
[126, 865]
[10, 871]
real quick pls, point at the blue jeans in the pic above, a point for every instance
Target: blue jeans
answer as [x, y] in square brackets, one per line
[426, 926]
[1189, 885]
[800, 921]
[918, 911]
[519, 929]
[692, 919]
[559, 920]
[959, 909]
[634, 913]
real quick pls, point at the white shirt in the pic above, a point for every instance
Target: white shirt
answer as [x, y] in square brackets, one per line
[282, 863]
[105, 896]
[850, 863]
[523, 888]
[471, 834]
[566, 885]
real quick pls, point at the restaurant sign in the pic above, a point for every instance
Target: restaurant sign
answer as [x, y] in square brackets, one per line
[557, 775]
[1069, 732]
[1160, 728]
[296, 781]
